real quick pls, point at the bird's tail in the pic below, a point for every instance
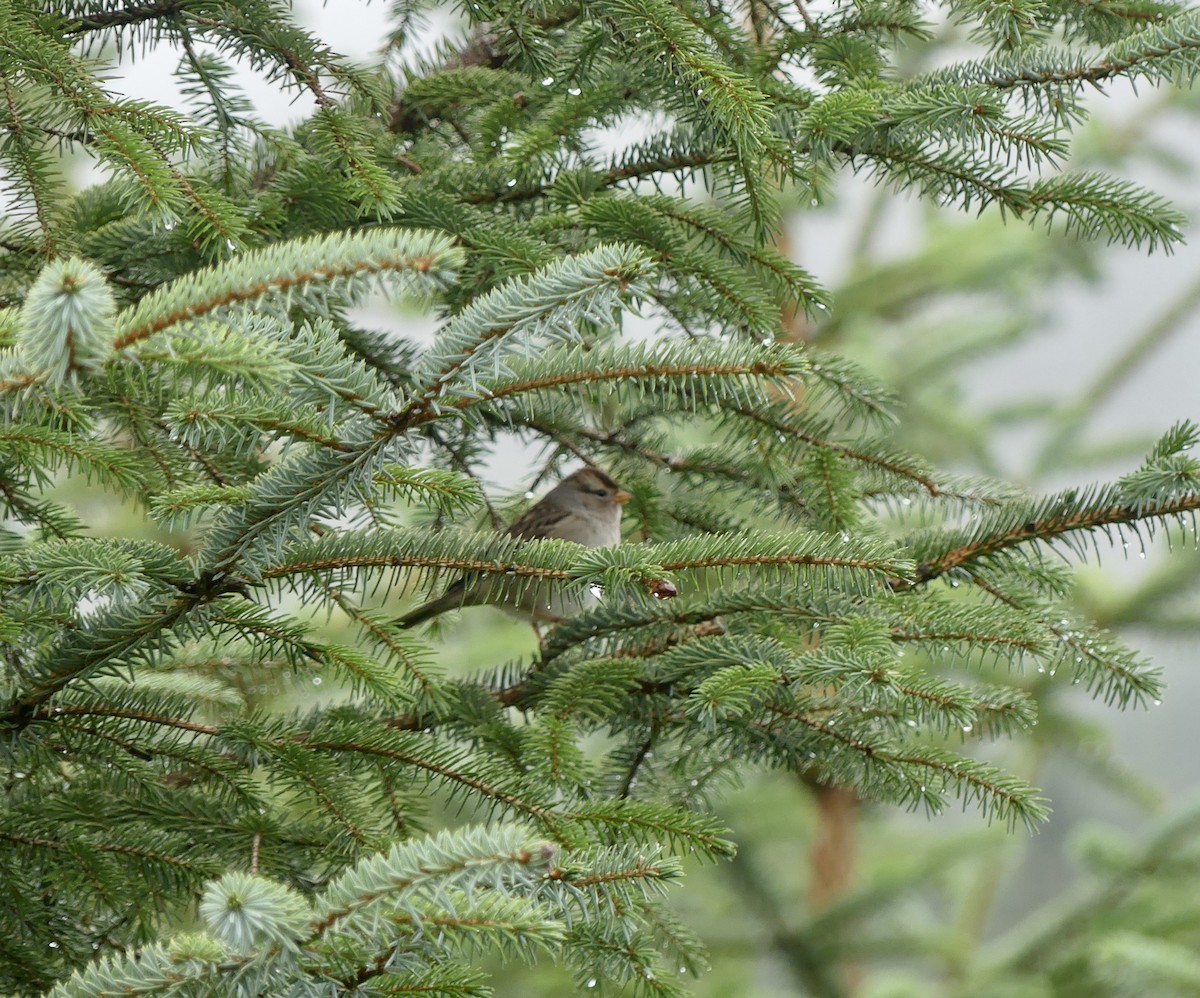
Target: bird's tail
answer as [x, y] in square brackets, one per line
[452, 599]
[419, 615]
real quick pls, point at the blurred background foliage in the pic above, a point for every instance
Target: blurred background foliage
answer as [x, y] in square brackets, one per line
[1043, 360]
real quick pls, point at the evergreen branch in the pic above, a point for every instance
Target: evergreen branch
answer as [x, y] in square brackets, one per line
[636, 168]
[713, 226]
[560, 561]
[970, 181]
[520, 314]
[32, 170]
[104, 710]
[401, 647]
[703, 465]
[633, 168]
[855, 390]
[123, 16]
[1095, 204]
[997, 793]
[1108, 670]
[1156, 52]
[476, 856]
[779, 419]
[85, 653]
[121, 468]
[391, 750]
[682, 374]
[119, 849]
[287, 272]
[651, 822]
[492, 919]
[733, 105]
[444, 552]
[802, 549]
[293, 493]
[1053, 519]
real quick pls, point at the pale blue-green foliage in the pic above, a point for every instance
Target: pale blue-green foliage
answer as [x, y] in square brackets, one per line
[85, 572]
[298, 273]
[181, 506]
[370, 675]
[694, 376]
[330, 379]
[245, 912]
[732, 691]
[477, 861]
[161, 692]
[53, 447]
[307, 484]
[67, 323]
[155, 969]
[253, 351]
[445, 490]
[521, 316]
[435, 899]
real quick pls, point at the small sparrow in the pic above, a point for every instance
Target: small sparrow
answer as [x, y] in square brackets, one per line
[585, 507]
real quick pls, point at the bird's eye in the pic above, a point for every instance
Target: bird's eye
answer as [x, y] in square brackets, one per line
[599, 492]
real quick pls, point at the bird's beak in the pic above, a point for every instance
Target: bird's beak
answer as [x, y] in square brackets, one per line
[621, 497]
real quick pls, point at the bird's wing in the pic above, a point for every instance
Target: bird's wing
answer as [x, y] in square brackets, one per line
[530, 527]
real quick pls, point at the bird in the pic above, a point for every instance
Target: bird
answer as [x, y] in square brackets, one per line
[585, 507]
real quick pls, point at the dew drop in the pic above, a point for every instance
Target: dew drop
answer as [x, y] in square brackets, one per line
[316, 681]
[591, 982]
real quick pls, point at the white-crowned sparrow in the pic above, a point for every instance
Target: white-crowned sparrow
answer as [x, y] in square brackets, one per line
[585, 507]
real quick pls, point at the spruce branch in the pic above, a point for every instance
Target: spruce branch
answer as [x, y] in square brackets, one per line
[1052, 520]
[1156, 52]
[518, 317]
[120, 17]
[289, 273]
[922, 778]
[679, 375]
